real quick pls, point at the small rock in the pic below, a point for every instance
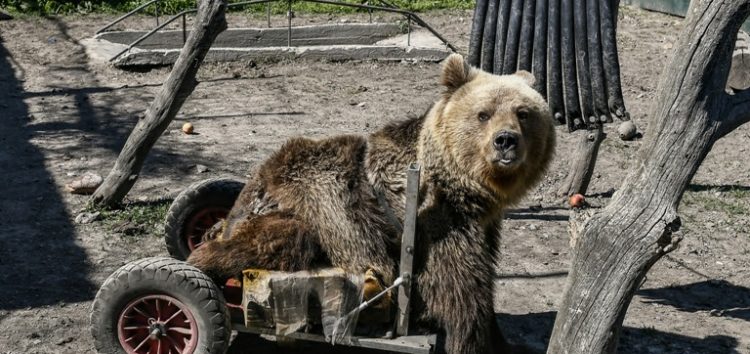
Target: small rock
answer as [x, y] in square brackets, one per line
[65, 340]
[86, 184]
[627, 130]
[201, 168]
[533, 227]
[361, 104]
[87, 218]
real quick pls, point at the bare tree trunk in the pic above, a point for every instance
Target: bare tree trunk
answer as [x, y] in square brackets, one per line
[580, 174]
[209, 22]
[618, 245]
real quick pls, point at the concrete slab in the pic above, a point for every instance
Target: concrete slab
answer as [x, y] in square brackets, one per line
[327, 34]
[337, 42]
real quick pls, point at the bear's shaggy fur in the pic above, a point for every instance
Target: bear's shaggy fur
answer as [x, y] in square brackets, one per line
[313, 203]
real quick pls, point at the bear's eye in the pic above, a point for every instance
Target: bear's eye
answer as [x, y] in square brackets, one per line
[483, 116]
[522, 113]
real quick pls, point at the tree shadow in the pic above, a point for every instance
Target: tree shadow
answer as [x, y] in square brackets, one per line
[535, 329]
[102, 123]
[542, 214]
[718, 297]
[717, 188]
[40, 262]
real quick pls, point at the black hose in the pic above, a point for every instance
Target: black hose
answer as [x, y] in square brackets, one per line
[510, 60]
[539, 57]
[567, 51]
[503, 17]
[526, 43]
[488, 36]
[598, 84]
[582, 63]
[477, 27]
[611, 62]
[554, 73]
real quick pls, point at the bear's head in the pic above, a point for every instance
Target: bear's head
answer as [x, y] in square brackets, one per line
[489, 132]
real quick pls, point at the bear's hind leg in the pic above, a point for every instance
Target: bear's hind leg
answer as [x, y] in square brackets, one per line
[275, 241]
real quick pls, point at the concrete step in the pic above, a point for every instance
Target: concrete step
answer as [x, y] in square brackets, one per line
[338, 42]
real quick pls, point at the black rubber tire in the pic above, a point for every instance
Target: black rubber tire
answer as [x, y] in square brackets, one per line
[216, 192]
[166, 276]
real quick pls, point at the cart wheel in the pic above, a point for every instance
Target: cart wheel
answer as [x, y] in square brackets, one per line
[159, 305]
[195, 210]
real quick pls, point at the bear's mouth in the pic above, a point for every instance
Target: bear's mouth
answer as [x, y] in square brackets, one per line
[507, 159]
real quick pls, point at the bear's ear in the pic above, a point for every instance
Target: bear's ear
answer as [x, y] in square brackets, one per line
[456, 72]
[526, 76]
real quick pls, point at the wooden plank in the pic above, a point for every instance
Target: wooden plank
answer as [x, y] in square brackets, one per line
[407, 248]
[405, 344]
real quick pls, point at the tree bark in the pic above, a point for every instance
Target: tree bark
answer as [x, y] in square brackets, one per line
[209, 22]
[580, 174]
[617, 246]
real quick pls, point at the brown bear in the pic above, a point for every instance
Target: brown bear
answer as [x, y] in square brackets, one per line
[332, 202]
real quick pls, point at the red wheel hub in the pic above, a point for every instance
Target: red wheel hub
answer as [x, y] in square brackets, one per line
[157, 324]
[200, 222]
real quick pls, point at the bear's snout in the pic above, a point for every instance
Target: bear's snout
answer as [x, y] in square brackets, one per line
[505, 141]
[508, 148]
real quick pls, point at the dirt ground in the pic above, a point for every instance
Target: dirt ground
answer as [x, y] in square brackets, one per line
[63, 116]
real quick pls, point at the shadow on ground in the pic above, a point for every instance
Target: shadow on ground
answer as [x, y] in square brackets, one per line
[40, 262]
[718, 297]
[534, 330]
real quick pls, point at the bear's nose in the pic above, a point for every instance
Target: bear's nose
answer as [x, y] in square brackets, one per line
[505, 140]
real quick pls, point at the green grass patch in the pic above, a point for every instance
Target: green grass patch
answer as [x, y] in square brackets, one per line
[135, 219]
[61, 7]
[728, 201]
